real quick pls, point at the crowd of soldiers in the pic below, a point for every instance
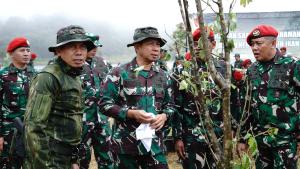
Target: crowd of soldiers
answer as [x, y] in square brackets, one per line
[52, 118]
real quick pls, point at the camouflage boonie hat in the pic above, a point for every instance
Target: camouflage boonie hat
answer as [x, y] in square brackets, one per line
[141, 34]
[69, 34]
[94, 39]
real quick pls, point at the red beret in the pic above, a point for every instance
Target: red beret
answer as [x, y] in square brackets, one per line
[197, 34]
[245, 62]
[238, 75]
[283, 48]
[33, 56]
[16, 43]
[188, 56]
[261, 31]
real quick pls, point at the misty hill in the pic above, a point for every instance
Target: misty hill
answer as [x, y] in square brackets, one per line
[41, 33]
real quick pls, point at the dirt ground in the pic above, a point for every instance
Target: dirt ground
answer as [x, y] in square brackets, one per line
[172, 161]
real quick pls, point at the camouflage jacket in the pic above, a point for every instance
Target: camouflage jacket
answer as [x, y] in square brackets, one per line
[14, 87]
[275, 101]
[54, 109]
[127, 88]
[188, 124]
[238, 64]
[94, 72]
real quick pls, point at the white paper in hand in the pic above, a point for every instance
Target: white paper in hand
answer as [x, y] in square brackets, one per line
[145, 133]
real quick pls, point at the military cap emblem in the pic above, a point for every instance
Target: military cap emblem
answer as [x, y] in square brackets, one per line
[256, 33]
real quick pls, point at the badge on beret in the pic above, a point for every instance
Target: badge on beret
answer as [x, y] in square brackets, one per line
[27, 42]
[256, 33]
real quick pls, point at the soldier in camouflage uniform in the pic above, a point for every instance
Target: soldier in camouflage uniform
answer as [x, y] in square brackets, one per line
[32, 59]
[162, 59]
[96, 128]
[274, 83]
[131, 93]
[238, 62]
[53, 118]
[189, 131]
[14, 87]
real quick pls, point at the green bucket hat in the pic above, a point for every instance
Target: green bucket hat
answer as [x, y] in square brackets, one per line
[141, 34]
[94, 39]
[69, 34]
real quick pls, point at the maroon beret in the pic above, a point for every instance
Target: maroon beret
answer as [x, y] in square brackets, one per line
[33, 56]
[238, 75]
[246, 62]
[197, 34]
[188, 56]
[261, 31]
[16, 43]
[283, 48]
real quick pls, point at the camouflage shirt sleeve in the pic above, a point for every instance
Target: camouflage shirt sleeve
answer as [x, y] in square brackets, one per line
[168, 103]
[178, 116]
[1, 112]
[296, 79]
[109, 95]
[41, 96]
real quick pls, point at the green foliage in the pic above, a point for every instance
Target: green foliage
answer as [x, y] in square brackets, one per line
[179, 36]
[246, 160]
[183, 85]
[232, 21]
[217, 26]
[230, 45]
[244, 3]
[167, 57]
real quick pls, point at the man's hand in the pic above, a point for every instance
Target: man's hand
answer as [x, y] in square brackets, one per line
[241, 147]
[1, 143]
[158, 122]
[75, 166]
[179, 147]
[140, 116]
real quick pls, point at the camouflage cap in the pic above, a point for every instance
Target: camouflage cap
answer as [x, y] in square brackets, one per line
[144, 33]
[69, 34]
[94, 39]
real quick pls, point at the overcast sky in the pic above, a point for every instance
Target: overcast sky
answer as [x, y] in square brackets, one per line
[126, 13]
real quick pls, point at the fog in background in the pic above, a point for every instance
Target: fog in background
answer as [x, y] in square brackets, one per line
[113, 20]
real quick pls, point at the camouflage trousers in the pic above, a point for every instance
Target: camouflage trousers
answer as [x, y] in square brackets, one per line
[45, 152]
[96, 136]
[198, 156]
[7, 160]
[128, 161]
[283, 157]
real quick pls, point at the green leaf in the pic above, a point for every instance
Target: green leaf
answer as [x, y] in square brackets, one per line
[252, 146]
[245, 2]
[230, 45]
[245, 162]
[167, 57]
[233, 86]
[183, 85]
[185, 73]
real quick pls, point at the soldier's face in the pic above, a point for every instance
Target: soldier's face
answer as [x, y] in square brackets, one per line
[21, 56]
[263, 48]
[92, 53]
[197, 48]
[148, 50]
[74, 53]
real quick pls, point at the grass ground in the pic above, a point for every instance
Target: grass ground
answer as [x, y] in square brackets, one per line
[172, 161]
